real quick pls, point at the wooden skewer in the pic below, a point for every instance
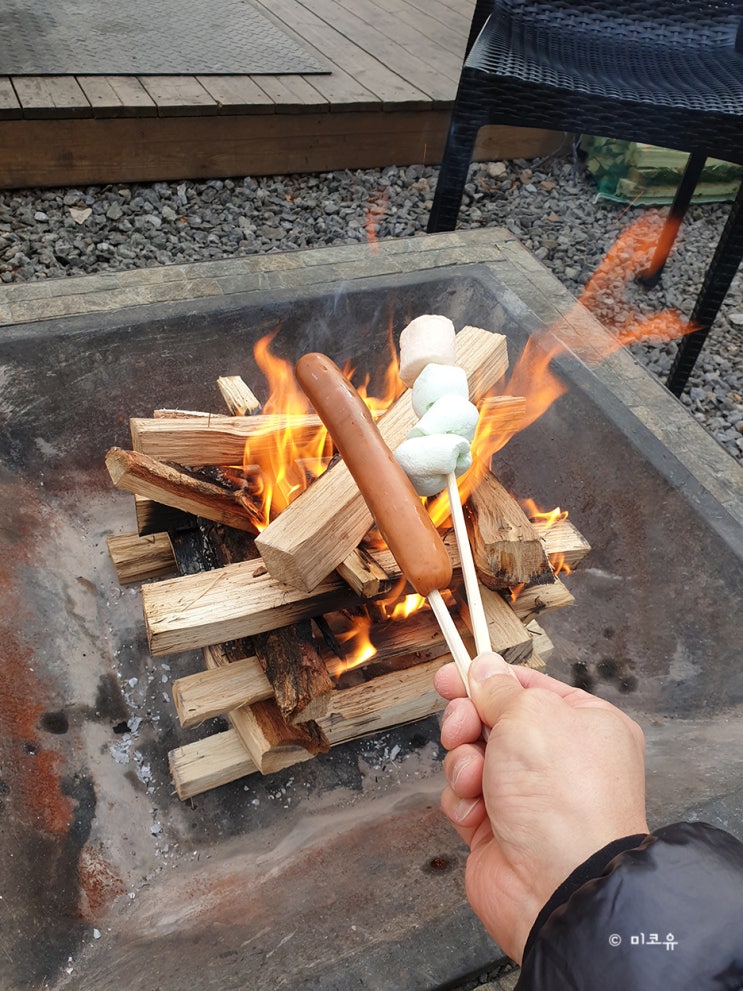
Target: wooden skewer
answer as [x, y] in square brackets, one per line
[474, 598]
[451, 634]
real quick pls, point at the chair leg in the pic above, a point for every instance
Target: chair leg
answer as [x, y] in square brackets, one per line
[460, 144]
[650, 277]
[720, 274]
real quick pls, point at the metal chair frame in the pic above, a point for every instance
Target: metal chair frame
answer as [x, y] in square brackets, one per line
[668, 73]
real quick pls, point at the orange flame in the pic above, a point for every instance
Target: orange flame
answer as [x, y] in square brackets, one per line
[532, 376]
[283, 461]
[358, 640]
[549, 517]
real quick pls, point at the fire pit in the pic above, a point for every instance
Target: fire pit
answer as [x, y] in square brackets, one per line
[338, 872]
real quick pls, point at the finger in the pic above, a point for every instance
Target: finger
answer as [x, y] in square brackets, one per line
[493, 686]
[463, 769]
[466, 815]
[448, 682]
[461, 724]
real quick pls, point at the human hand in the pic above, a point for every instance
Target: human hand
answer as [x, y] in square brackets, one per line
[561, 776]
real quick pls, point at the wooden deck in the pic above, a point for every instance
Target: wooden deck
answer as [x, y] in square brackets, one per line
[395, 66]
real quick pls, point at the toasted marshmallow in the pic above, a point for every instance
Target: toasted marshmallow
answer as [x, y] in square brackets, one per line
[427, 339]
[448, 415]
[436, 381]
[427, 460]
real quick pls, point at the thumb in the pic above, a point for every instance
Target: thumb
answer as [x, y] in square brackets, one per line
[492, 686]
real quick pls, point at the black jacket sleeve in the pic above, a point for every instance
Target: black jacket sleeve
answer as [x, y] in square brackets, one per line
[658, 911]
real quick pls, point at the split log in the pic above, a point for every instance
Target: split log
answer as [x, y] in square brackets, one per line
[328, 520]
[563, 542]
[505, 545]
[364, 574]
[214, 692]
[153, 517]
[208, 438]
[267, 736]
[217, 439]
[540, 639]
[297, 673]
[143, 475]
[534, 600]
[138, 558]
[238, 397]
[209, 763]
[390, 700]
[236, 601]
[259, 723]
[508, 635]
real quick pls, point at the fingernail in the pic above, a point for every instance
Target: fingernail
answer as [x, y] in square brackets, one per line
[486, 665]
[458, 768]
[463, 808]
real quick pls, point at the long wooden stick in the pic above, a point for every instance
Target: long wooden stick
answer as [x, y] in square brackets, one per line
[474, 599]
[451, 633]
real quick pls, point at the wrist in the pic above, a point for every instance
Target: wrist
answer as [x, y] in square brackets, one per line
[592, 867]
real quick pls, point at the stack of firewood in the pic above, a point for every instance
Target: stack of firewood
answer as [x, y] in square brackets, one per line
[269, 610]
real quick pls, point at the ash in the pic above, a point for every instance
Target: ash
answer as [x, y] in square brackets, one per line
[550, 205]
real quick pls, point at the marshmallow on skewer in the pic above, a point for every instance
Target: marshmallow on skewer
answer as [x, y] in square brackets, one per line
[449, 415]
[428, 338]
[436, 381]
[428, 460]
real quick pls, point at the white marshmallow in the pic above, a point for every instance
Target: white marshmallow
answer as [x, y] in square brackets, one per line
[428, 460]
[448, 415]
[436, 381]
[428, 338]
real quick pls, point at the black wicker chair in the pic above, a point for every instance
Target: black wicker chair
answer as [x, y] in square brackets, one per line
[668, 72]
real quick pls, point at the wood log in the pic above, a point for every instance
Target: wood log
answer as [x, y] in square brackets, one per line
[296, 671]
[328, 520]
[267, 736]
[138, 558]
[506, 547]
[216, 439]
[236, 601]
[533, 600]
[259, 723]
[508, 635]
[238, 397]
[209, 763]
[216, 691]
[563, 542]
[143, 475]
[389, 700]
[364, 574]
[540, 640]
[153, 517]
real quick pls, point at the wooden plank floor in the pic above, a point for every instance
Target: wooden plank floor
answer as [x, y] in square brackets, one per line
[394, 70]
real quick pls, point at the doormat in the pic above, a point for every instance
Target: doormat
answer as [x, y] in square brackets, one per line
[142, 37]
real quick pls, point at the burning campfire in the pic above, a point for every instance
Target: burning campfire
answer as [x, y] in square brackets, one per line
[310, 633]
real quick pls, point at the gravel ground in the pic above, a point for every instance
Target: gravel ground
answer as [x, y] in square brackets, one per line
[550, 205]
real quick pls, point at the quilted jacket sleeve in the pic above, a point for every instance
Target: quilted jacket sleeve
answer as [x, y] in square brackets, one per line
[660, 911]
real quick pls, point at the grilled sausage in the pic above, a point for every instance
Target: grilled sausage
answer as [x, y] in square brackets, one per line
[399, 514]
